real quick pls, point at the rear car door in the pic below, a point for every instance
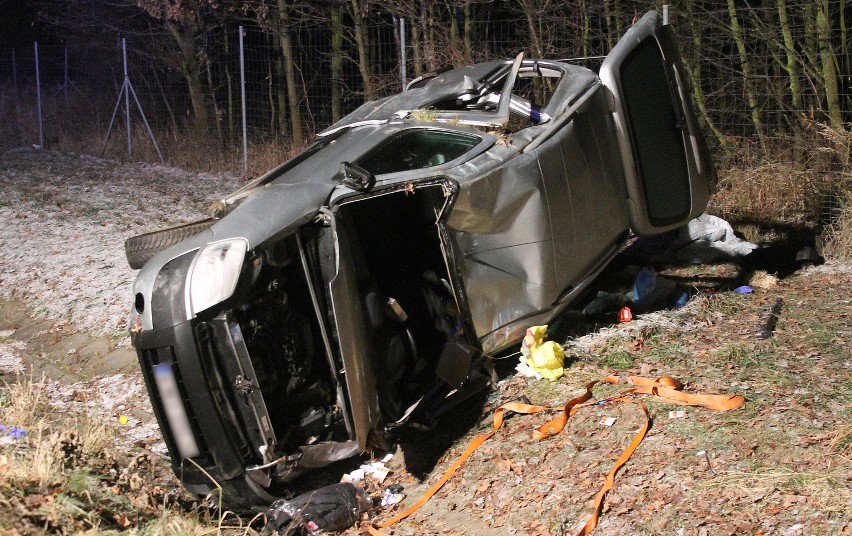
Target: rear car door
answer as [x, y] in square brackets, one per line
[668, 171]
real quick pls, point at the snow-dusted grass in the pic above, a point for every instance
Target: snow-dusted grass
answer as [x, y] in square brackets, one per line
[64, 219]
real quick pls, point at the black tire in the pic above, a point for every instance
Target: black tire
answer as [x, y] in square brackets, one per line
[139, 249]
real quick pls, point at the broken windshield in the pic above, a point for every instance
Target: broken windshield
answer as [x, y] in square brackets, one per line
[417, 149]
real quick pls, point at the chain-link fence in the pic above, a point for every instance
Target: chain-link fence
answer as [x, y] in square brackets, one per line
[240, 94]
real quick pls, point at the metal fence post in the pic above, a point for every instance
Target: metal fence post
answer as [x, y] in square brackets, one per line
[38, 95]
[126, 94]
[243, 102]
[402, 60]
[127, 89]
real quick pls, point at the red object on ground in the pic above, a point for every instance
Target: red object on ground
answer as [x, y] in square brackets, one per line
[625, 314]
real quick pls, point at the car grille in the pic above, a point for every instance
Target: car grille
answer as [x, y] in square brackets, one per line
[213, 369]
[155, 356]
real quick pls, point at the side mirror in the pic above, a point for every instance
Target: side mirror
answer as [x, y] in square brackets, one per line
[356, 177]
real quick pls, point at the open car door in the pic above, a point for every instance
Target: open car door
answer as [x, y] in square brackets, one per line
[668, 171]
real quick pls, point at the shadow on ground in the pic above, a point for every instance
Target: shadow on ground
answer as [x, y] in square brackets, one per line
[782, 251]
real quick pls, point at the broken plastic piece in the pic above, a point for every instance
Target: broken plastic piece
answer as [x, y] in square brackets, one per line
[332, 508]
[607, 421]
[644, 285]
[625, 314]
[12, 431]
[393, 495]
[354, 476]
[376, 470]
[543, 358]
[680, 414]
[745, 289]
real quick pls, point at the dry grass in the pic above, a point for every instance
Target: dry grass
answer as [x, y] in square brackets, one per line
[24, 403]
[837, 236]
[64, 476]
[778, 191]
[825, 490]
[49, 445]
[78, 124]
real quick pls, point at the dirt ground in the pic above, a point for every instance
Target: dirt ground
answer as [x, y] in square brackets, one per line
[781, 464]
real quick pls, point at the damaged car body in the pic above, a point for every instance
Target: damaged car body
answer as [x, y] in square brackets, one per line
[360, 287]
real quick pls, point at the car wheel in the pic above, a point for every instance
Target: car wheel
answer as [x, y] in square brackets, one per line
[139, 249]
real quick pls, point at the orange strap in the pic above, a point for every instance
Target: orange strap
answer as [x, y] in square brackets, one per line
[516, 407]
[664, 388]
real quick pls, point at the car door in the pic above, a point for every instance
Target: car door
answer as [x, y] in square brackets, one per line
[669, 175]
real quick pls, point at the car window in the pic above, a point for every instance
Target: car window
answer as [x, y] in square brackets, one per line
[657, 134]
[417, 149]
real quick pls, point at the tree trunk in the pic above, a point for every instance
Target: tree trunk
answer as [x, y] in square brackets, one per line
[791, 65]
[286, 43]
[281, 94]
[191, 69]
[363, 48]
[845, 64]
[216, 115]
[694, 70]
[168, 106]
[829, 72]
[336, 63]
[468, 28]
[587, 26]
[608, 20]
[270, 88]
[416, 46]
[229, 81]
[531, 16]
[428, 36]
[619, 20]
[454, 35]
[746, 68]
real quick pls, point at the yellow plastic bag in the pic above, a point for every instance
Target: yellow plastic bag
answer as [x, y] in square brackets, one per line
[544, 359]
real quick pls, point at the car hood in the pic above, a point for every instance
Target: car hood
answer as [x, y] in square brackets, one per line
[268, 212]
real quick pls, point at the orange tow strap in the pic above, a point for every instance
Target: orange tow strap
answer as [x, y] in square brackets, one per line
[664, 388]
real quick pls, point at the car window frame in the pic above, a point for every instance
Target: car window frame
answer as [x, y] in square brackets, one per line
[486, 142]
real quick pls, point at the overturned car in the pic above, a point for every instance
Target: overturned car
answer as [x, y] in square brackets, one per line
[360, 287]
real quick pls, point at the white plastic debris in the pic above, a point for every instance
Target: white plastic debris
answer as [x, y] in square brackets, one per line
[707, 239]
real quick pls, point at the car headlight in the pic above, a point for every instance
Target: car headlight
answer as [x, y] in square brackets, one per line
[213, 275]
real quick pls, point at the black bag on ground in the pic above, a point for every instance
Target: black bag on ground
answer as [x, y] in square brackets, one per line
[332, 508]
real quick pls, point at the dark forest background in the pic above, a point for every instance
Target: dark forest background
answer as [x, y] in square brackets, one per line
[768, 76]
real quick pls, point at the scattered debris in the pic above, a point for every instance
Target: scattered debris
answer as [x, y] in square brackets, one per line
[393, 495]
[605, 302]
[744, 289]
[770, 320]
[12, 431]
[607, 421]
[375, 470]
[540, 358]
[763, 280]
[679, 414]
[643, 286]
[332, 508]
[625, 314]
[708, 239]
[648, 293]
